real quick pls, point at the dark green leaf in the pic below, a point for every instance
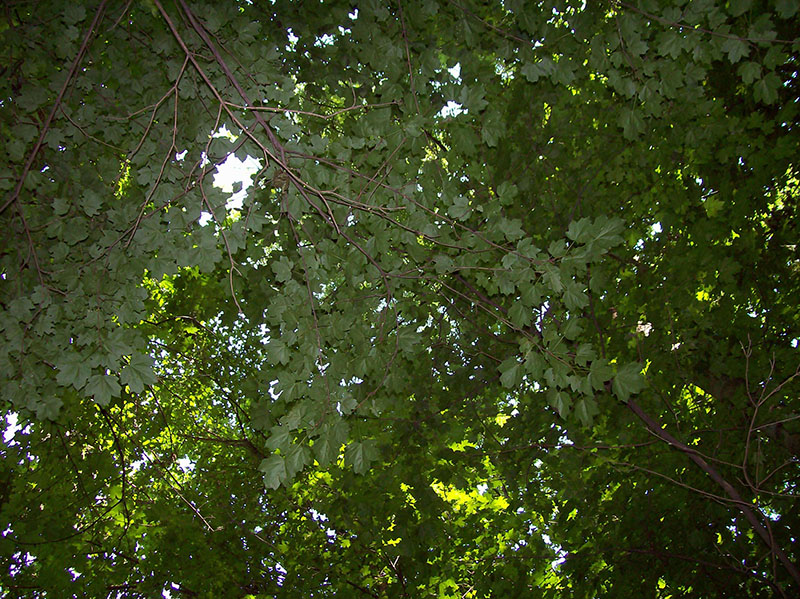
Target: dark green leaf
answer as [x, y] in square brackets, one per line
[628, 381]
[510, 371]
[138, 374]
[103, 388]
[274, 469]
[586, 410]
[358, 455]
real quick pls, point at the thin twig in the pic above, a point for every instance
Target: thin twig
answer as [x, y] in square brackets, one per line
[46, 127]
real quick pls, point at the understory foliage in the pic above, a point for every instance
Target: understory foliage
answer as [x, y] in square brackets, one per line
[510, 307]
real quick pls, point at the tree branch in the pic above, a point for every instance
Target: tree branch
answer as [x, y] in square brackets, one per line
[740, 503]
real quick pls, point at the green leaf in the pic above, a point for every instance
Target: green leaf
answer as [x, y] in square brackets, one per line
[510, 261]
[443, 264]
[282, 269]
[519, 315]
[329, 444]
[600, 372]
[48, 408]
[206, 253]
[739, 7]
[91, 203]
[586, 410]
[552, 278]
[531, 71]
[293, 419]
[561, 401]
[414, 126]
[274, 469]
[279, 438]
[359, 455]
[138, 374]
[511, 228]
[787, 8]
[557, 248]
[531, 294]
[492, 129]
[60, 206]
[516, 143]
[712, 205]
[103, 387]
[736, 49]
[296, 458]
[766, 88]
[573, 328]
[74, 13]
[542, 68]
[605, 234]
[73, 369]
[407, 339]
[510, 371]
[584, 354]
[474, 98]
[507, 193]
[460, 210]
[260, 417]
[574, 297]
[324, 450]
[534, 365]
[580, 231]
[750, 71]
[632, 123]
[278, 352]
[347, 405]
[671, 43]
[628, 381]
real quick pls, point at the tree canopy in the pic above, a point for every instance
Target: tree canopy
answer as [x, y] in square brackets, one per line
[506, 310]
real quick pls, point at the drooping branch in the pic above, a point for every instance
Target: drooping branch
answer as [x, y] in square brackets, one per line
[56, 106]
[730, 491]
[280, 158]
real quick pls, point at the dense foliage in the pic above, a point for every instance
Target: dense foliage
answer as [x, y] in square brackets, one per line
[510, 308]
